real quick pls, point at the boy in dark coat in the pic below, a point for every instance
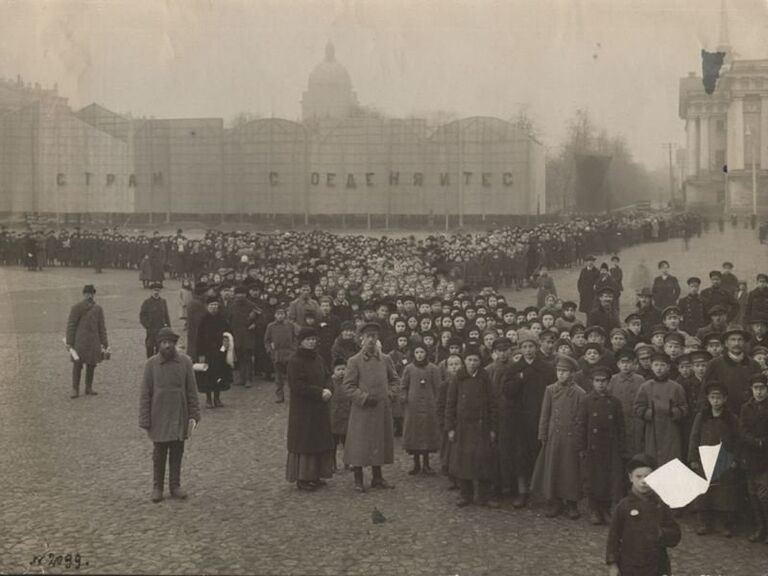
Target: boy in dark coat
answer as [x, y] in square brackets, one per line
[340, 404]
[154, 316]
[601, 438]
[168, 411]
[471, 418]
[713, 425]
[642, 528]
[753, 454]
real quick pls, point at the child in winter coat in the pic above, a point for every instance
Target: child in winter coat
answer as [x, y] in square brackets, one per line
[753, 454]
[624, 386]
[601, 438]
[662, 407]
[401, 357]
[280, 343]
[642, 527]
[715, 424]
[420, 385]
[145, 271]
[556, 475]
[340, 405]
[471, 418]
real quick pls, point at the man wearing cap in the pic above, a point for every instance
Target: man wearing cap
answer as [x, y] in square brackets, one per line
[716, 295]
[605, 280]
[524, 387]
[729, 281]
[604, 313]
[87, 338]
[666, 288]
[692, 307]
[586, 285]
[757, 300]
[168, 410]
[504, 477]
[242, 315]
[718, 322]
[734, 368]
[298, 308]
[753, 454]
[648, 312]
[370, 381]
[153, 316]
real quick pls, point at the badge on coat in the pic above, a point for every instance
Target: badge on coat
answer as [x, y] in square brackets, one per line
[634, 512]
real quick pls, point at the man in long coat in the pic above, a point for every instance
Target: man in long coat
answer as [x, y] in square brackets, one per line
[666, 288]
[195, 312]
[369, 382]
[168, 410]
[524, 387]
[87, 338]
[154, 316]
[734, 369]
[505, 475]
[586, 286]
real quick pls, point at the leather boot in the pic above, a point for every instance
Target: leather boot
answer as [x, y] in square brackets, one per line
[595, 513]
[573, 510]
[416, 465]
[358, 472]
[175, 475]
[75, 391]
[759, 534]
[158, 476]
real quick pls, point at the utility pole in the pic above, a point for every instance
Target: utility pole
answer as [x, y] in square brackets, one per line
[669, 146]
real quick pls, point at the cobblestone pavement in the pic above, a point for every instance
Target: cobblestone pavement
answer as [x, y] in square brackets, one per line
[77, 473]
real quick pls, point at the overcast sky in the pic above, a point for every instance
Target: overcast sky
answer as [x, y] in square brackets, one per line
[620, 59]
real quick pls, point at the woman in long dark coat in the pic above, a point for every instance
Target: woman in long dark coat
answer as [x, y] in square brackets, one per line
[210, 340]
[311, 449]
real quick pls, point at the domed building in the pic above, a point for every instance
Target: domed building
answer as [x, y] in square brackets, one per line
[329, 92]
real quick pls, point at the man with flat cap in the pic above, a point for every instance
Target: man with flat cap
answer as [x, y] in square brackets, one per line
[647, 310]
[717, 295]
[718, 321]
[757, 300]
[168, 410]
[692, 307]
[86, 340]
[369, 382]
[154, 316]
[604, 313]
[734, 369]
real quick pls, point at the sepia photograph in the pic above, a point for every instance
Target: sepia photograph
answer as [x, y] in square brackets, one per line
[384, 287]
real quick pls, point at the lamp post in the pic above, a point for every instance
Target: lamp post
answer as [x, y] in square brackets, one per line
[748, 134]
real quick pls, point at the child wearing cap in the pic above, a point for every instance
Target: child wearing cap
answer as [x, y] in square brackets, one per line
[600, 438]
[715, 424]
[420, 385]
[642, 527]
[280, 342]
[340, 406]
[661, 405]
[453, 365]
[753, 454]
[401, 357]
[624, 386]
[556, 475]
[471, 418]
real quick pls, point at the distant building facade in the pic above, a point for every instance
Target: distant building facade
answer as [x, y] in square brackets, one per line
[336, 161]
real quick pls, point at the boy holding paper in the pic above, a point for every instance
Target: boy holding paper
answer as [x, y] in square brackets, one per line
[642, 527]
[714, 425]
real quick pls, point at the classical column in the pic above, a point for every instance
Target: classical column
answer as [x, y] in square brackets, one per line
[736, 134]
[690, 147]
[704, 144]
[764, 132]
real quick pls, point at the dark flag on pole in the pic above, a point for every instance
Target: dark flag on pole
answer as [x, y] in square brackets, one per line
[711, 62]
[592, 194]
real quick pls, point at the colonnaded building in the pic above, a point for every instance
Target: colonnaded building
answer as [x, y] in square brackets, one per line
[726, 152]
[336, 161]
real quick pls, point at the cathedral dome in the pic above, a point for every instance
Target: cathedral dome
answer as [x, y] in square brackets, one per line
[330, 72]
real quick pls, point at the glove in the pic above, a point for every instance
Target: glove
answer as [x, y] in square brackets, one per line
[370, 402]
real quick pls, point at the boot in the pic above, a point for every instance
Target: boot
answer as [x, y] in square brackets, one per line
[217, 400]
[426, 468]
[75, 391]
[759, 534]
[595, 514]
[378, 480]
[175, 473]
[521, 500]
[573, 510]
[158, 465]
[208, 400]
[358, 472]
[553, 508]
[416, 466]
[89, 391]
[704, 524]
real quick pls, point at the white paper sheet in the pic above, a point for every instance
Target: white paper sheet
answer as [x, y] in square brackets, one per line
[677, 485]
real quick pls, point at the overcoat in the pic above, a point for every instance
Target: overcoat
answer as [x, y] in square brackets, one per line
[420, 388]
[471, 412]
[666, 291]
[524, 386]
[601, 437]
[210, 337]
[586, 287]
[505, 433]
[641, 530]
[624, 389]
[241, 315]
[309, 418]
[370, 440]
[723, 493]
[340, 407]
[735, 375]
[195, 312]
[557, 471]
[154, 316]
[662, 407]
[753, 448]
[87, 331]
[168, 398]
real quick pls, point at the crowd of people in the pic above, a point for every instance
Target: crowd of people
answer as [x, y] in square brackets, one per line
[562, 401]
